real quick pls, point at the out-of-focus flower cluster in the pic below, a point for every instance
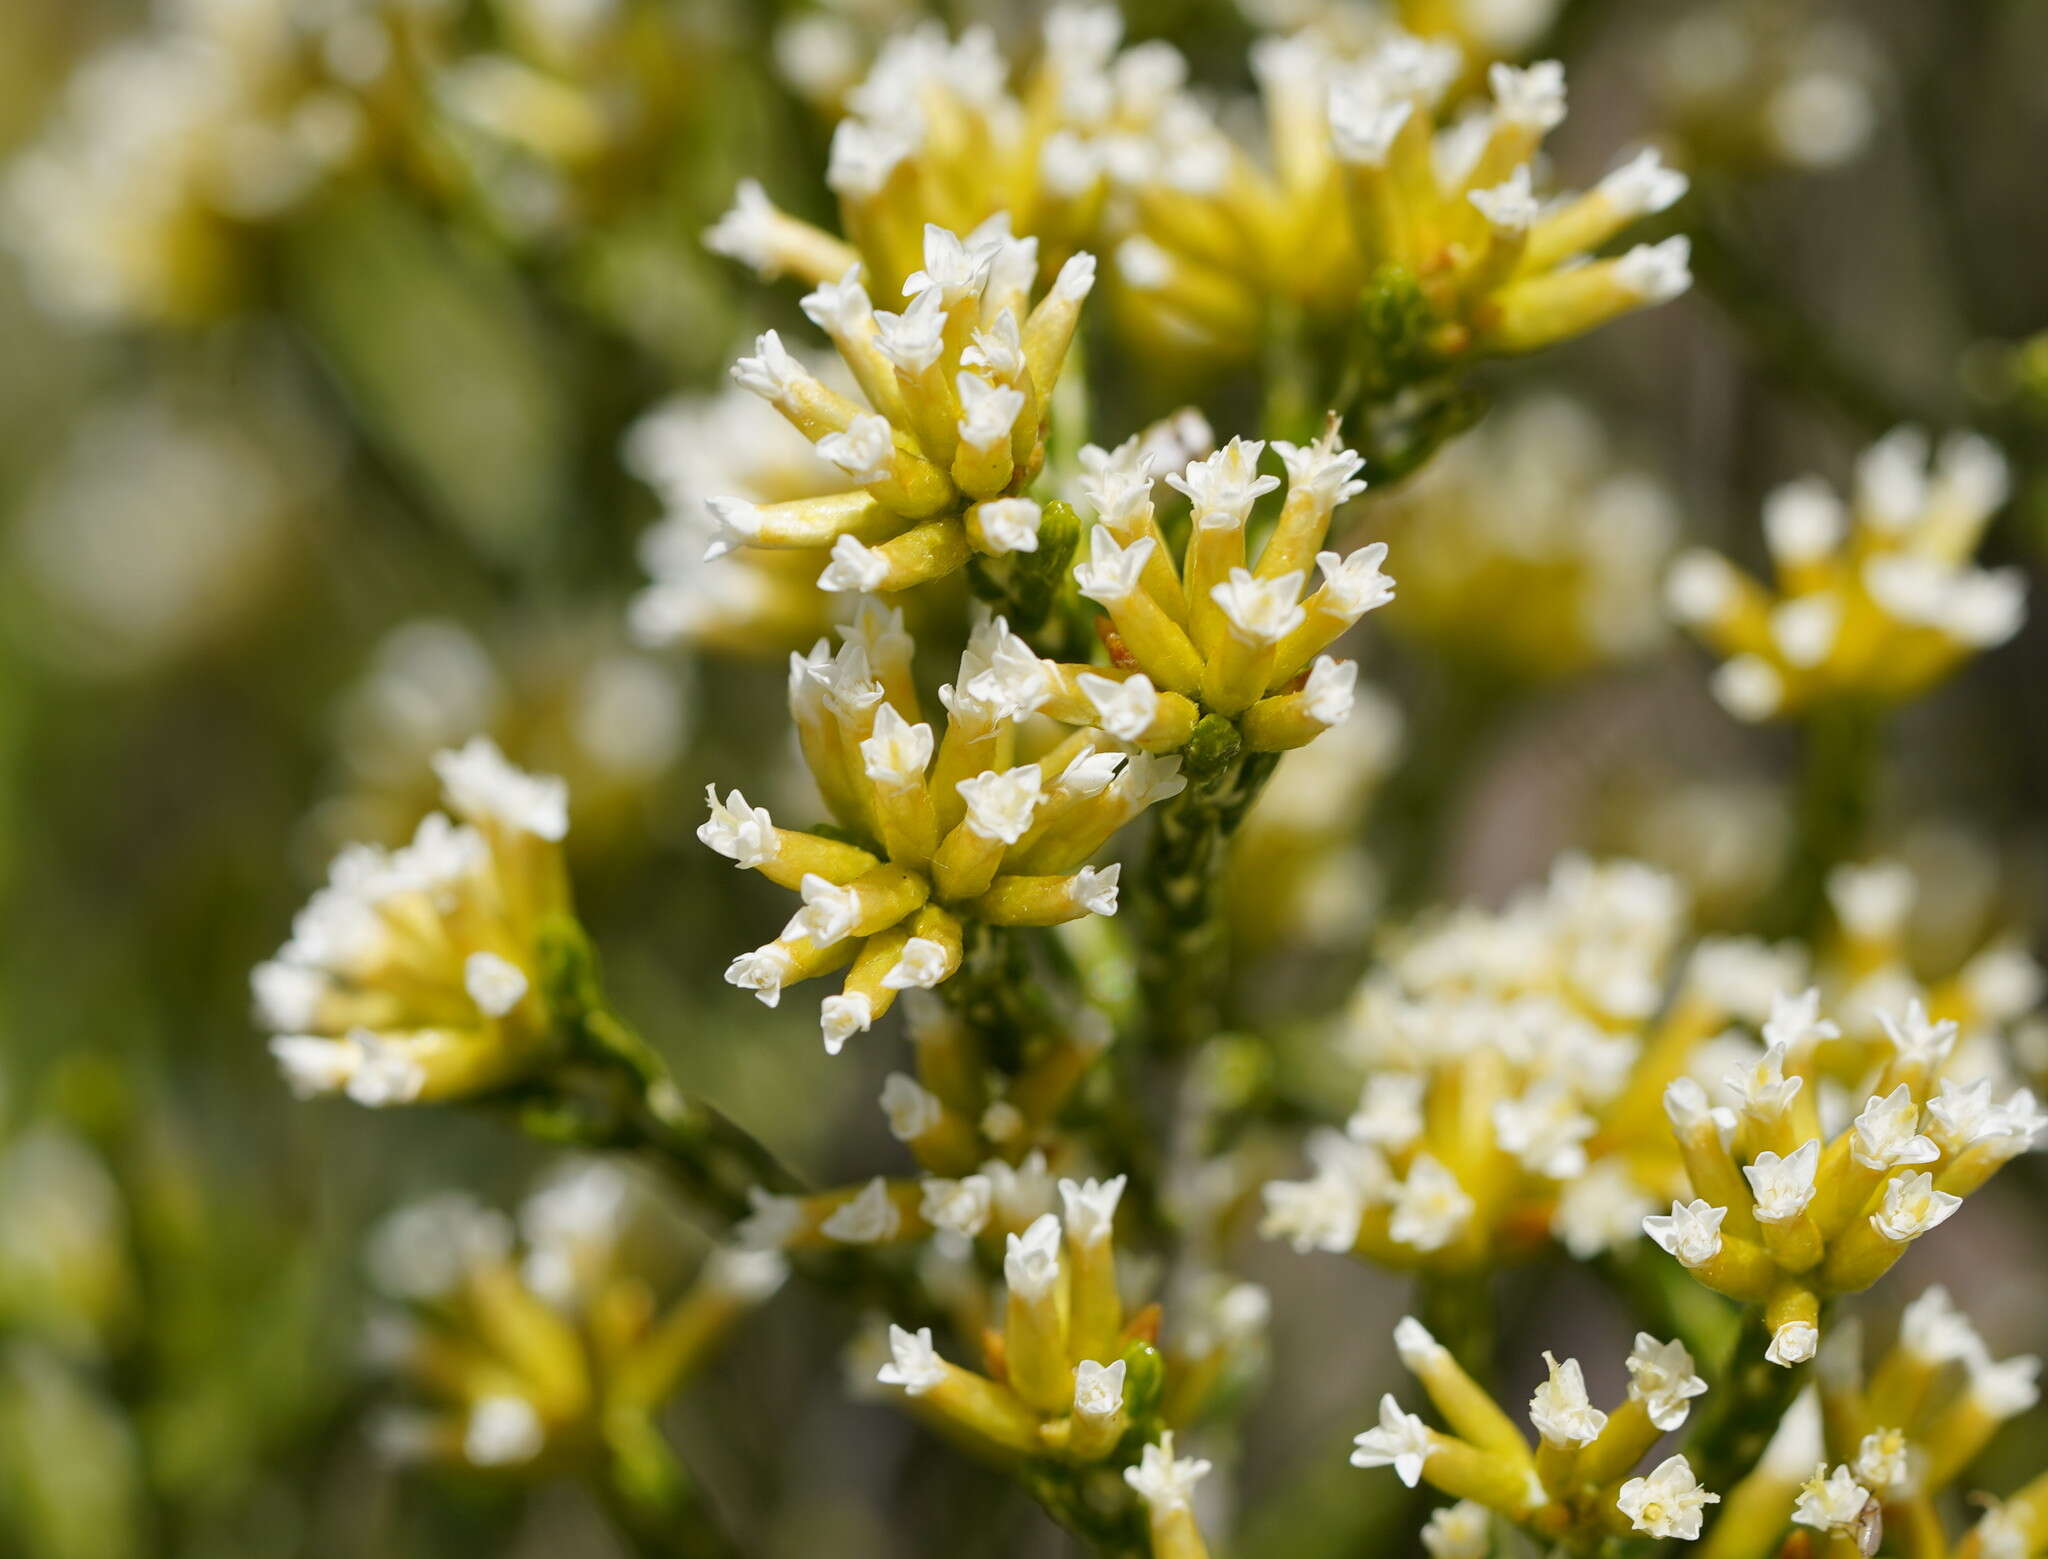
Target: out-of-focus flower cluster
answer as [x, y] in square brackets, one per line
[1875, 599]
[542, 1342]
[1527, 550]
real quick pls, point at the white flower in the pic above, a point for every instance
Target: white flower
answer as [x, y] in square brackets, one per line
[1803, 521]
[1095, 888]
[911, 1108]
[1400, 1441]
[2002, 1531]
[1912, 1206]
[997, 349]
[862, 450]
[1667, 1503]
[383, 1073]
[1933, 1330]
[1532, 98]
[1691, 1231]
[1163, 1483]
[950, 267]
[1661, 1377]
[1872, 901]
[829, 912]
[1324, 469]
[1389, 1113]
[1430, 1206]
[1022, 1191]
[423, 1251]
[1544, 1130]
[495, 984]
[502, 1431]
[863, 155]
[1963, 1115]
[484, 788]
[1363, 123]
[1599, 1209]
[1089, 1207]
[1795, 1022]
[1659, 272]
[841, 309]
[744, 834]
[1098, 1388]
[746, 232]
[1782, 1186]
[898, 753]
[1125, 709]
[1031, 1260]
[1831, 1502]
[1111, 573]
[1010, 525]
[1748, 687]
[1643, 186]
[1223, 487]
[914, 1363]
[1561, 1411]
[1353, 582]
[1760, 1089]
[1260, 611]
[921, 965]
[771, 373]
[914, 339]
[735, 523]
[1793, 1343]
[1415, 1344]
[869, 1218]
[957, 1206]
[1884, 1460]
[313, 1065]
[772, 1222]
[841, 1017]
[1460, 1531]
[1318, 1214]
[1331, 690]
[1511, 207]
[854, 567]
[1887, 1133]
[2004, 1388]
[1000, 805]
[987, 411]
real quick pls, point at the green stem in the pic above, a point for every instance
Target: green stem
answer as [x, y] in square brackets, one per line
[653, 1502]
[1459, 1311]
[1750, 1398]
[614, 1091]
[1182, 955]
[1837, 785]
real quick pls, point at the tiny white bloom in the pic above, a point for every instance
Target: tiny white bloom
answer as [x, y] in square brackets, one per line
[495, 984]
[1090, 1207]
[1000, 806]
[1162, 1482]
[1430, 1207]
[1126, 708]
[1098, 1388]
[911, 1108]
[1669, 1502]
[1783, 1186]
[502, 1431]
[1031, 1260]
[957, 1206]
[1887, 1133]
[1400, 1441]
[867, 1219]
[1561, 1411]
[1691, 1231]
[914, 1364]
[1010, 525]
[1831, 1502]
[481, 785]
[1912, 1207]
[741, 832]
[1112, 571]
[1793, 1343]
[921, 965]
[1662, 1378]
[854, 567]
[1460, 1531]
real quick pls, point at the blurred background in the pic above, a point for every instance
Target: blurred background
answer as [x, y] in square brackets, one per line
[325, 330]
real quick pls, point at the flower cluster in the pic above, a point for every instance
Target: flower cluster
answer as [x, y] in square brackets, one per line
[1527, 551]
[1069, 1378]
[1542, 1022]
[1573, 1482]
[1221, 633]
[414, 975]
[954, 828]
[1108, 148]
[533, 1344]
[1875, 599]
[956, 390]
[1786, 1211]
[1214, 239]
